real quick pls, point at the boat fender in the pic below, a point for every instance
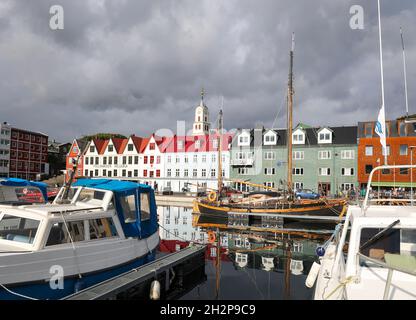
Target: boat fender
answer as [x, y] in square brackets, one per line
[155, 290]
[313, 274]
[212, 196]
[211, 237]
[79, 285]
[320, 251]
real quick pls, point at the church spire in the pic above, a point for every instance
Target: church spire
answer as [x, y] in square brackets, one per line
[201, 125]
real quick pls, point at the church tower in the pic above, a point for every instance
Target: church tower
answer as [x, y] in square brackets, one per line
[201, 124]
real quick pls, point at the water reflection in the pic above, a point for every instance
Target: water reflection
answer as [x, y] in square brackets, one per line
[250, 265]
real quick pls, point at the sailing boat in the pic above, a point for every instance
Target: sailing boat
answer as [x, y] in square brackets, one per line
[216, 209]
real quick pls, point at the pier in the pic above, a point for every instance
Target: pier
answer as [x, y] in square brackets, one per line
[177, 273]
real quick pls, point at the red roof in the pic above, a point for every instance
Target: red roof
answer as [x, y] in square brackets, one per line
[100, 144]
[118, 144]
[206, 143]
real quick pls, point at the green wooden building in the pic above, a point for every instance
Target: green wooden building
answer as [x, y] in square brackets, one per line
[324, 159]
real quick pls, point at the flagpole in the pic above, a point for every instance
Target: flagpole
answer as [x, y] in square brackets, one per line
[381, 72]
[405, 75]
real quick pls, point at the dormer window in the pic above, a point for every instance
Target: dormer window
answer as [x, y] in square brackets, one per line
[244, 139]
[325, 136]
[298, 137]
[92, 149]
[270, 138]
[110, 148]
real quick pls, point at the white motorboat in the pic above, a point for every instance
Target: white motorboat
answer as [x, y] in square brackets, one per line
[94, 230]
[381, 258]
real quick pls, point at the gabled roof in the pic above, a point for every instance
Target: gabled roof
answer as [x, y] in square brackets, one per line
[119, 144]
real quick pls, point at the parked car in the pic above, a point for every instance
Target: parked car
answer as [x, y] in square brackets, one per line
[167, 191]
[306, 194]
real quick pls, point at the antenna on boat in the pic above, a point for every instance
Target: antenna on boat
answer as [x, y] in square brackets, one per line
[404, 73]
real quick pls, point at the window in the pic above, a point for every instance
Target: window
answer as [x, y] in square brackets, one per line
[144, 206]
[387, 149]
[385, 171]
[213, 174]
[204, 172]
[102, 228]
[347, 171]
[145, 160]
[368, 130]
[158, 173]
[104, 172]
[269, 184]
[298, 138]
[177, 159]
[185, 158]
[92, 149]
[195, 158]
[195, 172]
[404, 171]
[403, 149]
[96, 172]
[298, 185]
[123, 173]
[128, 205]
[86, 173]
[110, 160]
[368, 168]
[269, 171]
[124, 160]
[269, 139]
[324, 137]
[324, 155]
[243, 171]
[97, 161]
[115, 172]
[110, 148]
[177, 173]
[59, 233]
[298, 155]
[269, 155]
[297, 171]
[204, 158]
[368, 150]
[109, 173]
[144, 173]
[213, 157]
[104, 160]
[152, 146]
[136, 159]
[18, 229]
[243, 140]
[324, 171]
[169, 172]
[347, 154]
[136, 172]
[152, 159]
[115, 160]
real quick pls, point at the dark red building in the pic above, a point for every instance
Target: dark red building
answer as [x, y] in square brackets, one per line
[28, 154]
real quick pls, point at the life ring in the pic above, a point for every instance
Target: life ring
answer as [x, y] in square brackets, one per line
[212, 196]
[211, 237]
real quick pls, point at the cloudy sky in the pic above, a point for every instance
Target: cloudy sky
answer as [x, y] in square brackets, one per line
[135, 66]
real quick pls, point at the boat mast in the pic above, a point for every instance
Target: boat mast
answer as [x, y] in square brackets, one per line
[290, 119]
[219, 145]
[405, 75]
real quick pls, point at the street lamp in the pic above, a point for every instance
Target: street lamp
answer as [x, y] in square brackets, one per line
[411, 174]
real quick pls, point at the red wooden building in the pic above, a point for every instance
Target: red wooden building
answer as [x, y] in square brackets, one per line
[401, 150]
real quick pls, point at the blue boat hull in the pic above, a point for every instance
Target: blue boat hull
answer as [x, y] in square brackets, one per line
[42, 291]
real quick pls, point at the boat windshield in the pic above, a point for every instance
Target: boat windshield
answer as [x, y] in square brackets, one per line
[91, 196]
[397, 241]
[20, 195]
[18, 229]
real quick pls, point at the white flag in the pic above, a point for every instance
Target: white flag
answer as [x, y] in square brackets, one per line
[381, 129]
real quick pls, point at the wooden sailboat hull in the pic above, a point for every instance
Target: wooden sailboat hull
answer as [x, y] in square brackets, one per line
[306, 212]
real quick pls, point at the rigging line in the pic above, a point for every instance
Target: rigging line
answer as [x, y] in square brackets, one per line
[17, 294]
[73, 245]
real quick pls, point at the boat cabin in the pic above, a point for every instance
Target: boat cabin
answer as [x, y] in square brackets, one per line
[98, 209]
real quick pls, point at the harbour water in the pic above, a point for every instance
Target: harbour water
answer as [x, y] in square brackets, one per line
[251, 267]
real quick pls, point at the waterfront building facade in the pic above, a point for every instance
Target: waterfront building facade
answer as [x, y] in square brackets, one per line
[324, 159]
[28, 154]
[401, 145]
[77, 149]
[5, 137]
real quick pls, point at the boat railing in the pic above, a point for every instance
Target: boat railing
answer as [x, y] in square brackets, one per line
[390, 268]
[367, 199]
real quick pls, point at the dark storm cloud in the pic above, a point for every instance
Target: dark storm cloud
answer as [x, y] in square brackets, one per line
[137, 66]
